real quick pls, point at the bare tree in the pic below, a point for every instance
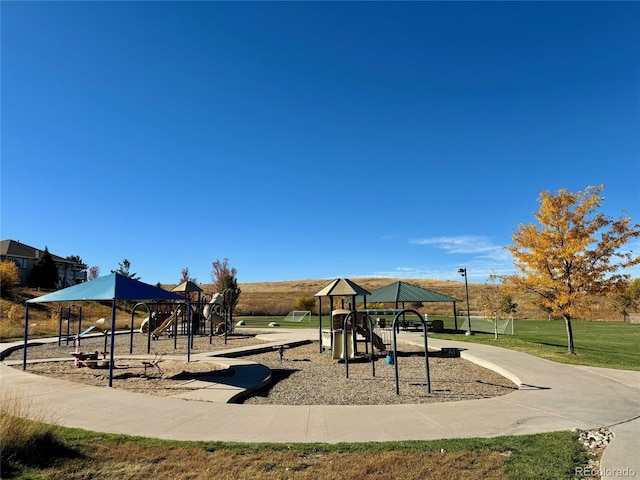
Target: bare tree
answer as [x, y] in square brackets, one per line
[185, 276]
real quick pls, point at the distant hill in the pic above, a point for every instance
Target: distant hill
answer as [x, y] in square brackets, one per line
[258, 298]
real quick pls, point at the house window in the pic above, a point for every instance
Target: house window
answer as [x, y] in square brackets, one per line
[20, 262]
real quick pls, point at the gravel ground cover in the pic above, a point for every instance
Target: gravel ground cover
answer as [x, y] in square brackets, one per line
[303, 376]
[306, 377]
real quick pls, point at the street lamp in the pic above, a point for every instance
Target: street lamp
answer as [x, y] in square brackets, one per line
[463, 272]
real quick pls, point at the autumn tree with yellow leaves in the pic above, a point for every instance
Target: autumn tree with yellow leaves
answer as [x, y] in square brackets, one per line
[573, 254]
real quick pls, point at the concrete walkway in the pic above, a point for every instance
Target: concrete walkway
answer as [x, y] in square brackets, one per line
[551, 397]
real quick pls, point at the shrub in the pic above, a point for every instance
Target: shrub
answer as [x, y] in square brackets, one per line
[9, 276]
[305, 303]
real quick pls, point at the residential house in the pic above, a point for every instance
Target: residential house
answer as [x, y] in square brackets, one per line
[69, 272]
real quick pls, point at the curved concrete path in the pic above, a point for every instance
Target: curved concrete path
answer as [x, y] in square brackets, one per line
[551, 397]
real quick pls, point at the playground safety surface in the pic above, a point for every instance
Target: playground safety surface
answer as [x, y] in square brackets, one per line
[297, 375]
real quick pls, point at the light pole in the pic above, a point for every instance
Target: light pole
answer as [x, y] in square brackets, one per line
[463, 272]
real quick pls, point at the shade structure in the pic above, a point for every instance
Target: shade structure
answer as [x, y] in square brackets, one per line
[342, 286]
[187, 286]
[109, 287]
[405, 292]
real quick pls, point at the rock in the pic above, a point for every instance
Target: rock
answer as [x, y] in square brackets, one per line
[595, 439]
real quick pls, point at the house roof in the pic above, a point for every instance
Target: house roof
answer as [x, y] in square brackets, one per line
[406, 292]
[14, 248]
[109, 287]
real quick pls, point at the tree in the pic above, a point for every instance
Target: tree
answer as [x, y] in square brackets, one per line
[9, 276]
[45, 272]
[185, 276]
[93, 273]
[78, 261]
[494, 303]
[225, 282]
[305, 303]
[507, 305]
[220, 272]
[628, 299]
[123, 269]
[573, 254]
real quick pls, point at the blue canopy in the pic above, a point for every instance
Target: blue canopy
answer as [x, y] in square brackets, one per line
[109, 287]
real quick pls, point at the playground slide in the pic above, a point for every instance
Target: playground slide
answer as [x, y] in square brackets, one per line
[214, 306]
[338, 345]
[377, 341]
[86, 331]
[218, 321]
[166, 324]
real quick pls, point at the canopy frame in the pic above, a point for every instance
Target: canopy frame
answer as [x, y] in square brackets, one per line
[111, 287]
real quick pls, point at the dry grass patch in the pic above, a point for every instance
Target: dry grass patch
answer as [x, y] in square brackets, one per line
[32, 442]
[129, 460]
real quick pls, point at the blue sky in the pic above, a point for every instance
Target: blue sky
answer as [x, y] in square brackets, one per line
[310, 139]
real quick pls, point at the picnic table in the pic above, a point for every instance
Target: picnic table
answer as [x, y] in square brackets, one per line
[89, 359]
[413, 325]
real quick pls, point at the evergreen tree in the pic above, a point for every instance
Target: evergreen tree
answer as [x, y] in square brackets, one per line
[124, 269]
[45, 272]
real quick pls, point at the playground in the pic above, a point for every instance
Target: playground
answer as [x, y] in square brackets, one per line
[186, 312]
[303, 376]
[552, 393]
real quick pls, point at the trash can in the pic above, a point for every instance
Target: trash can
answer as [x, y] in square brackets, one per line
[437, 325]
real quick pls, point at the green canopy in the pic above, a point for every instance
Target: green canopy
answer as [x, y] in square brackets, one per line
[405, 292]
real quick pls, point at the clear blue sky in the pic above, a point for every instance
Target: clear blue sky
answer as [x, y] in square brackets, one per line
[310, 139]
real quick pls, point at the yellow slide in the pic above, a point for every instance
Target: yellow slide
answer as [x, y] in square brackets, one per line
[338, 345]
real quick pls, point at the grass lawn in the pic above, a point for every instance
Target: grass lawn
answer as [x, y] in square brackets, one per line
[598, 344]
[264, 321]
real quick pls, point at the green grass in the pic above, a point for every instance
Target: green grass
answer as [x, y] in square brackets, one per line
[597, 344]
[263, 322]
